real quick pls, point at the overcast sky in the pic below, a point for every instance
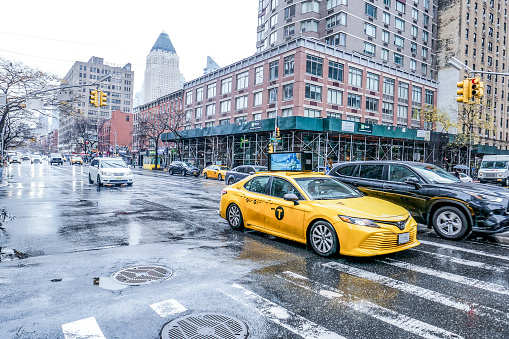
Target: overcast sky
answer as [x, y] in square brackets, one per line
[52, 34]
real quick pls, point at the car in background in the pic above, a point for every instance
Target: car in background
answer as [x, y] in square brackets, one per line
[25, 157]
[462, 176]
[215, 171]
[109, 171]
[76, 161]
[56, 158]
[183, 168]
[433, 196]
[36, 159]
[14, 159]
[318, 210]
[240, 172]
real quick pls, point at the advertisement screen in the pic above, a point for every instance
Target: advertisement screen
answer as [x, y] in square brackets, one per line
[286, 162]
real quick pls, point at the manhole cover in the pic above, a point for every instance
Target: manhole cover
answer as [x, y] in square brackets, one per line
[205, 325]
[141, 275]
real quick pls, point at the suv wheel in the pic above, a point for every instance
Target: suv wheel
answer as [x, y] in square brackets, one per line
[231, 181]
[450, 223]
[323, 238]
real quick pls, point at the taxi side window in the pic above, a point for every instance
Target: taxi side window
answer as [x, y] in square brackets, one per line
[400, 173]
[280, 187]
[257, 185]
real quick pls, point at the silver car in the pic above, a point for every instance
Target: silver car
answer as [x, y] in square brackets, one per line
[109, 171]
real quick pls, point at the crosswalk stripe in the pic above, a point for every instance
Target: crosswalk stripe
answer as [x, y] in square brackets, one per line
[168, 308]
[461, 249]
[85, 328]
[462, 261]
[448, 276]
[420, 292]
[388, 316]
[279, 315]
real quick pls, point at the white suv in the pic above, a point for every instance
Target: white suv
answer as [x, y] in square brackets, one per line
[109, 171]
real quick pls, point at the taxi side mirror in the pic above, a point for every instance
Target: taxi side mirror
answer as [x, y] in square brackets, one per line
[291, 197]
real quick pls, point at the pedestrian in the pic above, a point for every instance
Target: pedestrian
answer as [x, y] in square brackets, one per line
[457, 174]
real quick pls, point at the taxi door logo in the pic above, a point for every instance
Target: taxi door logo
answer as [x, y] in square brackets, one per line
[280, 213]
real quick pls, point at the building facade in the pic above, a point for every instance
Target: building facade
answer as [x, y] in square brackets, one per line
[118, 88]
[399, 33]
[116, 134]
[162, 73]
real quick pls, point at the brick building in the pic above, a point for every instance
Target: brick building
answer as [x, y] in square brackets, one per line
[118, 130]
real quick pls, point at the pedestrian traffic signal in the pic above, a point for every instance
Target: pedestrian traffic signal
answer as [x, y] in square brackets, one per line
[94, 98]
[102, 98]
[463, 91]
[271, 149]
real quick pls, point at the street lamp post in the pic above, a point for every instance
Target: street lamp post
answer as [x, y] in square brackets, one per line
[115, 132]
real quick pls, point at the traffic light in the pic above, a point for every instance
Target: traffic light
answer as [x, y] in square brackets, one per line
[102, 98]
[94, 98]
[277, 132]
[463, 91]
[477, 89]
[271, 149]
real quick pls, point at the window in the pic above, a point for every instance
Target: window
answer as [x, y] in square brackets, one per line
[289, 12]
[289, 65]
[385, 36]
[413, 48]
[400, 173]
[399, 24]
[273, 70]
[334, 97]
[335, 71]
[258, 75]
[310, 6]
[334, 3]
[400, 6]
[424, 53]
[273, 4]
[312, 113]
[211, 91]
[189, 98]
[403, 90]
[241, 102]
[414, 31]
[355, 77]
[314, 65]
[286, 112]
[288, 92]
[239, 120]
[257, 99]
[416, 95]
[402, 114]
[209, 124]
[336, 40]
[198, 112]
[387, 111]
[199, 94]
[272, 38]
[415, 14]
[335, 20]
[424, 68]
[271, 115]
[289, 30]
[242, 80]
[369, 30]
[399, 41]
[385, 54]
[386, 18]
[372, 104]
[428, 97]
[425, 19]
[387, 3]
[313, 92]
[211, 109]
[371, 171]
[257, 184]
[372, 81]
[398, 59]
[226, 86]
[257, 116]
[225, 106]
[370, 10]
[369, 48]
[388, 86]
[273, 20]
[413, 64]
[354, 100]
[272, 94]
[309, 26]
[425, 36]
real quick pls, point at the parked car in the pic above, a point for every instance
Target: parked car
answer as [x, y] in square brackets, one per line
[462, 176]
[36, 159]
[25, 157]
[14, 159]
[316, 209]
[76, 161]
[109, 171]
[215, 171]
[433, 196]
[240, 172]
[183, 168]
[56, 158]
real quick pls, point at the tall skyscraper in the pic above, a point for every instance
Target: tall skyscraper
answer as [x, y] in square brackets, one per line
[162, 73]
[211, 66]
[400, 33]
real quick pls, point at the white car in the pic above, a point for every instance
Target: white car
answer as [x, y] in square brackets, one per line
[465, 178]
[109, 171]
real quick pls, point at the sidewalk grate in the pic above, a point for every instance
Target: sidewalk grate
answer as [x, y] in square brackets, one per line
[205, 325]
[140, 275]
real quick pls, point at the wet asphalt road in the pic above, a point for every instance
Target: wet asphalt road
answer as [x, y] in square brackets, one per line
[68, 233]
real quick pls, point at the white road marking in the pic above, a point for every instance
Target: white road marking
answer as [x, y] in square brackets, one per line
[462, 261]
[491, 287]
[279, 315]
[168, 308]
[388, 316]
[85, 328]
[467, 250]
[420, 292]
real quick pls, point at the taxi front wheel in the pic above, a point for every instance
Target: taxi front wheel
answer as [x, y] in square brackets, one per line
[323, 238]
[234, 217]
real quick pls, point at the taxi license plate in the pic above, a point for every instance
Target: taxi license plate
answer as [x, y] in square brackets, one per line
[403, 238]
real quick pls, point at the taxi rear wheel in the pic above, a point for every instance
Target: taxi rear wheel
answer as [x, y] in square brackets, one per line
[205, 175]
[219, 177]
[323, 238]
[234, 217]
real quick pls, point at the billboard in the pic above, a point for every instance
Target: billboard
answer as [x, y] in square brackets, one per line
[290, 161]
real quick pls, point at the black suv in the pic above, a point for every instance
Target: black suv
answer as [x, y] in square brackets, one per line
[183, 168]
[240, 172]
[433, 196]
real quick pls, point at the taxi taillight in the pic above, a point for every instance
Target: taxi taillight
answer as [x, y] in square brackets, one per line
[223, 192]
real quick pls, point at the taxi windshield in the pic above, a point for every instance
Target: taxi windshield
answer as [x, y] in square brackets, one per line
[326, 188]
[435, 174]
[223, 168]
[113, 164]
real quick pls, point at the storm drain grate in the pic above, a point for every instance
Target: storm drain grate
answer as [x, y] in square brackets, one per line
[140, 275]
[205, 326]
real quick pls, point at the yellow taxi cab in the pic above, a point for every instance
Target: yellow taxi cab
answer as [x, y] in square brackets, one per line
[76, 161]
[320, 211]
[215, 171]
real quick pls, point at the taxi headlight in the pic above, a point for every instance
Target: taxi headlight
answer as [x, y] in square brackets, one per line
[358, 221]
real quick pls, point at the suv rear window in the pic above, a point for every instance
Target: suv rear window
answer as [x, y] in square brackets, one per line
[346, 170]
[371, 171]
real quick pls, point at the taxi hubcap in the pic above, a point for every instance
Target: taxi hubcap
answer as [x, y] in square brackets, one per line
[322, 238]
[449, 223]
[234, 215]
